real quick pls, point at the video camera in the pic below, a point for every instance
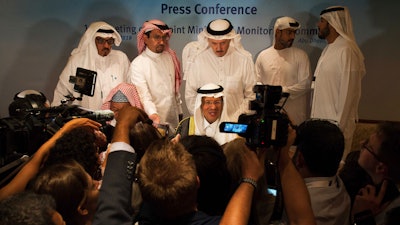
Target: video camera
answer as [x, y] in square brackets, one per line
[268, 126]
[24, 136]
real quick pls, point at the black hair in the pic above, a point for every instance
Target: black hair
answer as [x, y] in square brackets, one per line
[27, 208]
[79, 145]
[215, 180]
[322, 144]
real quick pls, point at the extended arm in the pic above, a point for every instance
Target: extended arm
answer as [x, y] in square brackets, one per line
[137, 76]
[19, 182]
[239, 207]
[304, 77]
[295, 194]
[114, 204]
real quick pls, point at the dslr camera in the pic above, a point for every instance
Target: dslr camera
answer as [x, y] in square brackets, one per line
[269, 125]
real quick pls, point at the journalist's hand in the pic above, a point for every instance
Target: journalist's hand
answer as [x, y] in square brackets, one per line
[80, 122]
[128, 116]
[252, 165]
[368, 199]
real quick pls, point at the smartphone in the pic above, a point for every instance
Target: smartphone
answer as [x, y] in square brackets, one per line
[230, 127]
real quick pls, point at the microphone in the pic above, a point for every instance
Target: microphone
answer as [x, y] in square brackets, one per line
[100, 115]
[53, 109]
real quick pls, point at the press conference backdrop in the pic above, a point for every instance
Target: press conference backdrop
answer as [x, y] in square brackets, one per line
[38, 36]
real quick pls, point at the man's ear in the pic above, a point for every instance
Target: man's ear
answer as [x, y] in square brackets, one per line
[298, 160]
[198, 181]
[82, 210]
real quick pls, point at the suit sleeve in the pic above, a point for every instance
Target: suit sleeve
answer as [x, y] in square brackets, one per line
[114, 204]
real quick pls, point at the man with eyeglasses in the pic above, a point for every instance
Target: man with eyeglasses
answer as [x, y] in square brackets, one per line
[209, 113]
[94, 53]
[380, 158]
[156, 74]
[219, 57]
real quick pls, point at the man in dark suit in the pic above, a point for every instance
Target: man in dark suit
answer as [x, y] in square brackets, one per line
[114, 204]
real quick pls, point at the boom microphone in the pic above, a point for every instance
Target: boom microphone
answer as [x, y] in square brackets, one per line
[64, 110]
[100, 115]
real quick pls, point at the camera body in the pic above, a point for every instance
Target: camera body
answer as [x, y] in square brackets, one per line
[268, 126]
[20, 136]
[23, 136]
[84, 81]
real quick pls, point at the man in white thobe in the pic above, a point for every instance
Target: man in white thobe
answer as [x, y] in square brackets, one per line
[287, 66]
[94, 53]
[339, 71]
[209, 114]
[218, 57]
[156, 74]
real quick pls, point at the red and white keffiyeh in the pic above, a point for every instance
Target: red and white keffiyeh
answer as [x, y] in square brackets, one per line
[141, 46]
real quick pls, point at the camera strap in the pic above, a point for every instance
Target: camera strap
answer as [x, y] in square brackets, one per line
[278, 206]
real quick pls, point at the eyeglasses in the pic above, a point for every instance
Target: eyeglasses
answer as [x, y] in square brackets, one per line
[369, 149]
[159, 37]
[102, 41]
[216, 103]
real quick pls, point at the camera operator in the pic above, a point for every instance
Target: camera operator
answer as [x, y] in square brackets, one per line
[32, 122]
[320, 145]
[271, 130]
[295, 195]
[31, 168]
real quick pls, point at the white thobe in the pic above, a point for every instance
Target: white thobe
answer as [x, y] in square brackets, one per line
[337, 88]
[154, 77]
[234, 72]
[289, 68]
[111, 71]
